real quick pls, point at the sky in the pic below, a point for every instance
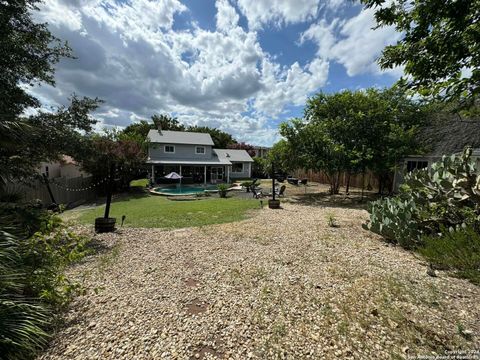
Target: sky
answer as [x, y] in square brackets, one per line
[242, 66]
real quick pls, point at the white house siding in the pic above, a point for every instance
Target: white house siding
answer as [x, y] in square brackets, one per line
[246, 173]
[182, 152]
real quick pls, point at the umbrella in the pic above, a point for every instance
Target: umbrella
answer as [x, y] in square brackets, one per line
[174, 176]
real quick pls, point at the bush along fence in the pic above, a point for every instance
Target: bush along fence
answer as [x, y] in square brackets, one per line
[436, 213]
[70, 192]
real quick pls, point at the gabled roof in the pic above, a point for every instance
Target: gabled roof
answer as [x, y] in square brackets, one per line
[233, 155]
[179, 137]
[448, 134]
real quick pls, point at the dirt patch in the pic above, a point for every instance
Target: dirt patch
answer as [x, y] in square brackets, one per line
[196, 307]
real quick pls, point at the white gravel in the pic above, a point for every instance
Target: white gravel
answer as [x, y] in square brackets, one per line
[281, 284]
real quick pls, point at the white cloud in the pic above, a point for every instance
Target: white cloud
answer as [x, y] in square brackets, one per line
[129, 55]
[353, 43]
[277, 12]
[227, 17]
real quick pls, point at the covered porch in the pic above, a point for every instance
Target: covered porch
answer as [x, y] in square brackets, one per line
[191, 173]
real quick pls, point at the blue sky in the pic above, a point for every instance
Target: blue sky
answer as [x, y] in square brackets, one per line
[243, 66]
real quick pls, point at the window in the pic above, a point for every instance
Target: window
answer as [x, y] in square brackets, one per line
[199, 150]
[414, 165]
[169, 149]
[237, 167]
[46, 172]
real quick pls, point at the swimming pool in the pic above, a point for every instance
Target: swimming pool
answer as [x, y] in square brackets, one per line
[183, 190]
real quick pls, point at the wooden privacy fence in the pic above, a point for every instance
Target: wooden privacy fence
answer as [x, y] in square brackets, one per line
[355, 180]
[70, 192]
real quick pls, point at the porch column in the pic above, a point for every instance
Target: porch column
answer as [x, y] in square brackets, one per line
[153, 174]
[205, 175]
[228, 173]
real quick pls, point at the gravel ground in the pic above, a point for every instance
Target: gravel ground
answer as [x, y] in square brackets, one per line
[282, 284]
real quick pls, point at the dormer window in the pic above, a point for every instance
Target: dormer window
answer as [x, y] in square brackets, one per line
[169, 149]
[200, 150]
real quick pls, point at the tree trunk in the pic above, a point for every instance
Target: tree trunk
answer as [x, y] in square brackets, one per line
[347, 190]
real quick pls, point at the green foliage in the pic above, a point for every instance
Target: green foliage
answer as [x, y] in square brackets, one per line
[222, 190]
[32, 284]
[457, 250]
[29, 53]
[447, 194]
[444, 198]
[127, 155]
[439, 49]
[331, 220]
[283, 156]
[396, 220]
[352, 131]
[166, 122]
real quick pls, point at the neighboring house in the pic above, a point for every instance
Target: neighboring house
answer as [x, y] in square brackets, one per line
[447, 137]
[192, 155]
[261, 151]
[66, 167]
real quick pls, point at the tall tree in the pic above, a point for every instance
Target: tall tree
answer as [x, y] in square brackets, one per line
[29, 53]
[166, 122]
[352, 131]
[440, 49]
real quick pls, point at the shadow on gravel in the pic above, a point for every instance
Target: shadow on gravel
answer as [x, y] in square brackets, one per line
[353, 200]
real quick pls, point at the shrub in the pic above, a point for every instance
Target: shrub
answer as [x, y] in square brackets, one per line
[222, 190]
[396, 220]
[444, 197]
[457, 250]
[32, 282]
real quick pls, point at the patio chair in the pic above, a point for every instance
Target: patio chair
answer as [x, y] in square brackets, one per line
[257, 193]
[292, 181]
[281, 192]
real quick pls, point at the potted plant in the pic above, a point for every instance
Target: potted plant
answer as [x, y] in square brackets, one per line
[222, 190]
[273, 203]
[106, 223]
[247, 185]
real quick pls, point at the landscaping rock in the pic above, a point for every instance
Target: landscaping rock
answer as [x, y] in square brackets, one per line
[282, 284]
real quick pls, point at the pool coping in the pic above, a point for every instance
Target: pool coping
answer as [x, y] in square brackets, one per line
[152, 191]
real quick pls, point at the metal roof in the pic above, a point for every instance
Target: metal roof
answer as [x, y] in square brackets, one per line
[179, 137]
[233, 155]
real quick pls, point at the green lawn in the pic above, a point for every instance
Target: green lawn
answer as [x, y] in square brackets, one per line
[139, 183]
[158, 212]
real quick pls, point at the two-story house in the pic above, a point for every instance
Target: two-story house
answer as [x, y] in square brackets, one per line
[192, 155]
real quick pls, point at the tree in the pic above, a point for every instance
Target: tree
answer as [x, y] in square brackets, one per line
[45, 137]
[112, 148]
[352, 131]
[440, 47]
[29, 53]
[250, 149]
[140, 128]
[282, 154]
[166, 122]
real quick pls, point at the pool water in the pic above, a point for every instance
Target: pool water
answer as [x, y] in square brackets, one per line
[184, 190]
